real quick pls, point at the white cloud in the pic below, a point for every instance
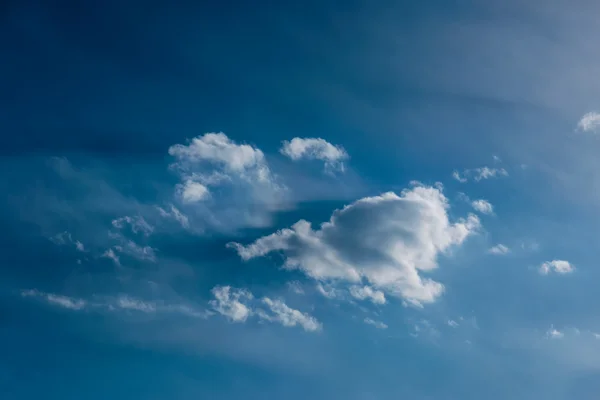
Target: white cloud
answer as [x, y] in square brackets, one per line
[558, 266]
[289, 317]
[327, 291]
[553, 333]
[192, 192]
[478, 174]
[387, 240]
[499, 249]
[452, 323]
[175, 214]
[129, 303]
[58, 300]
[315, 149]
[242, 189]
[132, 249]
[66, 238]
[367, 292]
[110, 254]
[456, 175]
[590, 122]
[376, 324]
[483, 206]
[137, 223]
[229, 302]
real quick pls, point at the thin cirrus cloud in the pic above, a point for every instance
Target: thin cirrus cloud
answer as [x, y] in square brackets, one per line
[560, 267]
[590, 122]
[376, 324]
[499, 249]
[137, 224]
[479, 174]
[387, 240]
[315, 149]
[237, 306]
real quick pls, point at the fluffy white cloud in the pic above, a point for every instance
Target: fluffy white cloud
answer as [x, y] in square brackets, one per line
[236, 178]
[223, 157]
[367, 292]
[137, 224]
[387, 240]
[499, 249]
[230, 303]
[191, 192]
[558, 266]
[376, 324]
[483, 206]
[590, 122]
[315, 149]
[478, 174]
[288, 316]
[57, 300]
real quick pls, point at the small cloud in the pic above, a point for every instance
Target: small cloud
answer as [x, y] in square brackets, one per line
[137, 223]
[79, 246]
[367, 292]
[327, 291]
[295, 287]
[289, 317]
[553, 333]
[558, 266]
[499, 249]
[65, 238]
[128, 303]
[483, 206]
[57, 300]
[376, 324]
[456, 175]
[175, 214]
[110, 254]
[590, 122]
[315, 149]
[192, 192]
[452, 323]
[496, 158]
[230, 302]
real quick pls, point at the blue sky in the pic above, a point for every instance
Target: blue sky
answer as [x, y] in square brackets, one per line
[302, 200]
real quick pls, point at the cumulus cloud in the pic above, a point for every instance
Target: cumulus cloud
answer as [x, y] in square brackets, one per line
[478, 174]
[57, 300]
[376, 324]
[236, 178]
[499, 249]
[558, 266]
[288, 316]
[229, 302]
[483, 206]
[367, 292]
[388, 240]
[315, 149]
[136, 223]
[236, 305]
[192, 192]
[590, 122]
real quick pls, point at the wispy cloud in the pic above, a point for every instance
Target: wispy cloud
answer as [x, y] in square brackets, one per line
[590, 122]
[483, 206]
[479, 174]
[70, 303]
[499, 249]
[376, 324]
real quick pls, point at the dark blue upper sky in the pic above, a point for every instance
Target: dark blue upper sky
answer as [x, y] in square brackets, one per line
[290, 200]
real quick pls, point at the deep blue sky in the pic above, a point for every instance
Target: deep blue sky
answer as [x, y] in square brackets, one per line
[158, 156]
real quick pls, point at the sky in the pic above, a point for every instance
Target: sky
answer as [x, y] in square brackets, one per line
[319, 199]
